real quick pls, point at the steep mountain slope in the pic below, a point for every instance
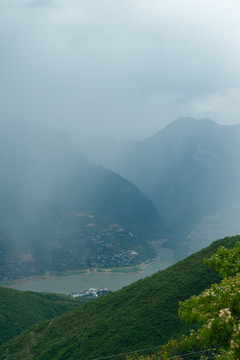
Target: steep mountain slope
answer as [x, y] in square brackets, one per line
[59, 211]
[190, 169]
[19, 310]
[141, 315]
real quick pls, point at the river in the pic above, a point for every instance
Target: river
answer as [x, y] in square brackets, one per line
[66, 285]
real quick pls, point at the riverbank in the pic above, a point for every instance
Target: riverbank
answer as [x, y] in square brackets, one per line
[71, 273]
[114, 278]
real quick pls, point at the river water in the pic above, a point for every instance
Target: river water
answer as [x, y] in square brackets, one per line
[66, 285]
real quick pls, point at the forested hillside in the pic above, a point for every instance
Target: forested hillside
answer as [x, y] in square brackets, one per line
[144, 314]
[19, 310]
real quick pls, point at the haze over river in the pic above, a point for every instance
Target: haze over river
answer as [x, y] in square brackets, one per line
[66, 285]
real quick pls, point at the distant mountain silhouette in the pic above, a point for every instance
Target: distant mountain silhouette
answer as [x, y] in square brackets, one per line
[190, 169]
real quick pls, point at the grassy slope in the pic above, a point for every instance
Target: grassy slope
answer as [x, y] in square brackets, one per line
[141, 315]
[20, 310]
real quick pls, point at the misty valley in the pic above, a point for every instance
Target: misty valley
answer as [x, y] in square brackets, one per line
[108, 205]
[60, 213]
[106, 214]
[119, 180]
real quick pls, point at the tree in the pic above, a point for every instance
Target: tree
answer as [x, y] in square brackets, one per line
[215, 312]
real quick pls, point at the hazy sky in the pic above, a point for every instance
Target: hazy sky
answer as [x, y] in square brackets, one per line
[123, 68]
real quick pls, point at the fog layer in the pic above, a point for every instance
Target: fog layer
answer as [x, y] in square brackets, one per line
[119, 68]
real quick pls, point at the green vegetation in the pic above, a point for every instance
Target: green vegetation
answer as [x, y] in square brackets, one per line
[126, 270]
[142, 315]
[216, 311]
[19, 310]
[69, 273]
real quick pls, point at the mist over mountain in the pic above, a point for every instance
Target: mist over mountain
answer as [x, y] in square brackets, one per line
[190, 169]
[58, 211]
[99, 186]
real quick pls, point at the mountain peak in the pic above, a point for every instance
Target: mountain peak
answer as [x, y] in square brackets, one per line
[183, 125]
[191, 120]
[190, 123]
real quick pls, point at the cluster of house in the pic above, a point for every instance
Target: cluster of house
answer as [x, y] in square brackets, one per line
[91, 292]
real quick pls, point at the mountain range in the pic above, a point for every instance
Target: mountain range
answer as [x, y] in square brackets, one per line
[106, 204]
[59, 211]
[190, 170]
